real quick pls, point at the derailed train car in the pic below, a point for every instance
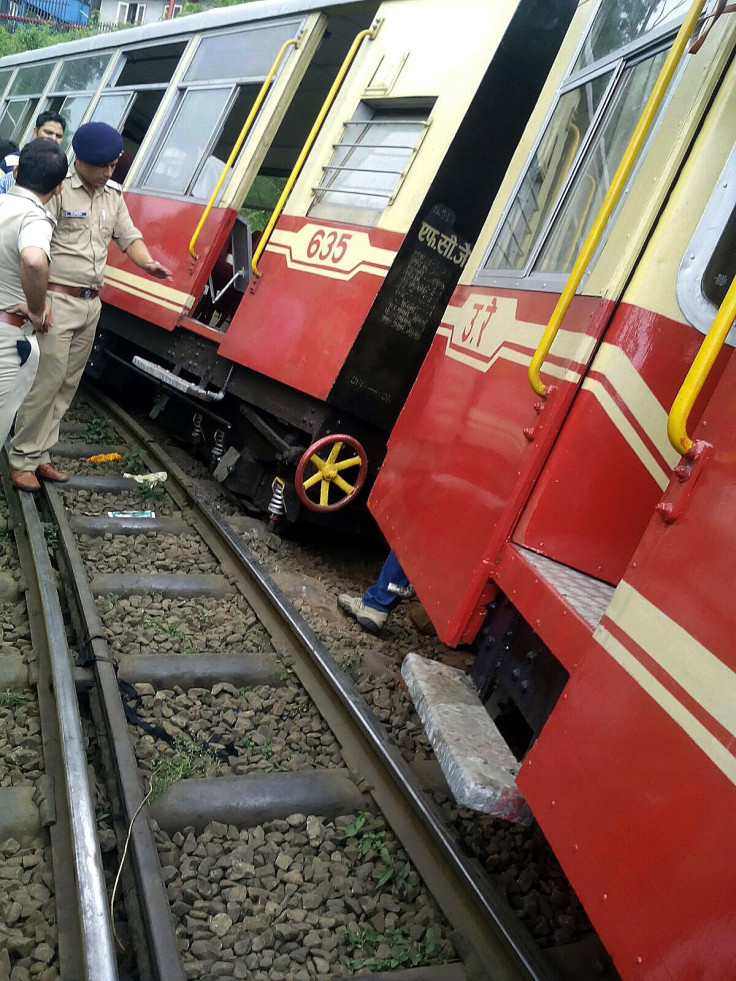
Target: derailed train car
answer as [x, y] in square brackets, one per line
[288, 161]
[543, 493]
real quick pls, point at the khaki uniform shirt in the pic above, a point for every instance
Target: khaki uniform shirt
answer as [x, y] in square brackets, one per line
[23, 224]
[85, 225]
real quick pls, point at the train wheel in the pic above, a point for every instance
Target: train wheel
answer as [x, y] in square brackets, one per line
[320, 477]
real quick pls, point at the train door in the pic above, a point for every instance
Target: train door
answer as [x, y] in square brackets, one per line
[632, 778]
[179, 162]
[612, 459]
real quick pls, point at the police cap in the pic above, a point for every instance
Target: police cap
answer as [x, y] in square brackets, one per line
[97, 143]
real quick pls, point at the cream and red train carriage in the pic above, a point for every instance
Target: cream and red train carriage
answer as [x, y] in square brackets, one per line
[559, 511]
[283, 158]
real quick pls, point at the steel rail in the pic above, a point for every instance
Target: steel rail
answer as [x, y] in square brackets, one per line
[98, 949]
[161, 959]
[472, 904]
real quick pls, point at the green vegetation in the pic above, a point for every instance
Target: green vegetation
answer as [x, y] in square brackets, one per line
[133, 461]
[51, 534]
[399, 876]
[262, 197]
[189, 759]
[405, 951]
[97, 430]
[13, 699]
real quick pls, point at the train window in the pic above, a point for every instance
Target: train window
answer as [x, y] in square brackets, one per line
[4, 79]
[618, 24]
[31, 80]
[81, 74]
[572, 164]
[598, 166]
[369, 163]
[151, 65]
[709, 265]
[11, 117]
[238, 54]
[546, 173]
[187, 139]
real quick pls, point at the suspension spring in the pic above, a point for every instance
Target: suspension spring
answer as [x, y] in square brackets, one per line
[197, 431]
[218, 446]
[277, 506]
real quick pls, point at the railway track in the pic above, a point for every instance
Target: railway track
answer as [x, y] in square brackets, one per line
[280, 834]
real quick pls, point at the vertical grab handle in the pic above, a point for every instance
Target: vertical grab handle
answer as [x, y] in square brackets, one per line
[292, 42]
[349, 58]
[613, 194]
[699, 371]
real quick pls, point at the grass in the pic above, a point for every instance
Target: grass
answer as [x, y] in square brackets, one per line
[189, 759]
[405, 951]
[51, 534]
[132, 462]
[149, 493]
[399, 876]
[13, 699]
[97, 431]
[173, 630]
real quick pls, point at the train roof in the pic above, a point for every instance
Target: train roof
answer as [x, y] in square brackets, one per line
[246, 13]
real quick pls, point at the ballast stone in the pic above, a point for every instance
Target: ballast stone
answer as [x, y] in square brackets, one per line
[478, 765]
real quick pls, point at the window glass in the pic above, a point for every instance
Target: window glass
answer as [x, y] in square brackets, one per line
[73, 108]
[721, 268]
[110, 109]
[81, 74]
[186, 141]
[218, 156]
[619, 22]
[4, 78]
[146, 66]
[368, 164]
[31, 80]
[546, 174]
[17, 117]
[598, 167]
[239, 54]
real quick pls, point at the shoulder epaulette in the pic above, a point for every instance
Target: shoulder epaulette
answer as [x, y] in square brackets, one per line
[115, 186]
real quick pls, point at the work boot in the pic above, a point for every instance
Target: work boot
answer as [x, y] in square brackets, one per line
[371, 620]
[47, 471]
[24, 480]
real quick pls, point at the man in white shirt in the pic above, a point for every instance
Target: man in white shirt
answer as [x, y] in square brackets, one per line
[25, 251]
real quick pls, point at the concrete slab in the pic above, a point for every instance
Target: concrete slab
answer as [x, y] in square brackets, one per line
[10, 590]
[19, 816]
[13, 673]
[80, 451]
[478, 765]
[170, 584]
[96, 526]
[255, 798]
[99, 485]
[199, 670]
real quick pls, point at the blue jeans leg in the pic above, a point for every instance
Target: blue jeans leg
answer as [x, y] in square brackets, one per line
[378, 596]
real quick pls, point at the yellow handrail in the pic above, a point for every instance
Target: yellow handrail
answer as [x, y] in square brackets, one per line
[613, 194]
[699, 371]
[292, 42]
[359, 38]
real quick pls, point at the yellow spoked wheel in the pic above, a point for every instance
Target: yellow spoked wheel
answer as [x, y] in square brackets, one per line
[331, 472]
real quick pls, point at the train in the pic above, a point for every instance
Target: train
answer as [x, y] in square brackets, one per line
[560, 484]
[288, 160]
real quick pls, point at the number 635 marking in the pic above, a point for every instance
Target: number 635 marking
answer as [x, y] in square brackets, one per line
[328, 245]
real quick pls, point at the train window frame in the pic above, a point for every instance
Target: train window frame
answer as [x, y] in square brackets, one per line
[617, 62]
[369, 112]
[180, 85]
[696, 307]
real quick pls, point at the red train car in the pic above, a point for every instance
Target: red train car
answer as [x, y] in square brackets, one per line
[567, 526]
[288, 159]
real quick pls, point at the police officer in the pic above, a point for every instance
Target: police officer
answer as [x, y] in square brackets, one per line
[25, 247]
[90, 211]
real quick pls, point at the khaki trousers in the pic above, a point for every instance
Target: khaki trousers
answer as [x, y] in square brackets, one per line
[15, 379]
[64, 351]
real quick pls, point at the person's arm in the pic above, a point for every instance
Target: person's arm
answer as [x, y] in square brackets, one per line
[138, 253]
[34, 278]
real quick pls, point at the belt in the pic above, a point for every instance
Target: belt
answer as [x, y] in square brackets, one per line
[83, 292]
[14, 319]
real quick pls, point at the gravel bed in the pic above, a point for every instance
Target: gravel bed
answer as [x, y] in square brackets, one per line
[27, 912]
[263, 729]
[146, 553]
[297, 900]
[21, 750]
[80, 465]
[141, 624]
[313, 569]
[84, 502]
